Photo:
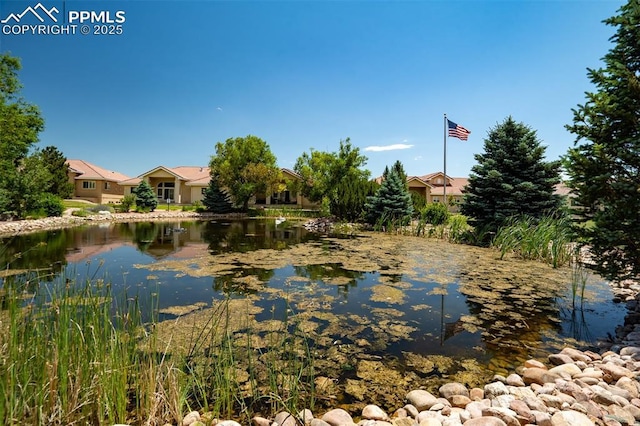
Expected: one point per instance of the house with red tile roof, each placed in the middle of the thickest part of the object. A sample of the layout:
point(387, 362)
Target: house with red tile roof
point(95, 184)
point(187, 184)
point(431, 188)
point(180, 185)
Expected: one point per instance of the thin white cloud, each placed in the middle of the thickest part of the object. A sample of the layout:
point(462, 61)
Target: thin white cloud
point(393, 147)
point(418, 158)
point(219, 108)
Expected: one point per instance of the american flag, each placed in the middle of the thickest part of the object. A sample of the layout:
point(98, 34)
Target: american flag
point(457, 131)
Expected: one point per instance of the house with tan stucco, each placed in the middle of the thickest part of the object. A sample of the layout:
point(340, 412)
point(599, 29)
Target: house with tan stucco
point(187, 184)
point(431, 187)
point(95, 184)
point(179, 185)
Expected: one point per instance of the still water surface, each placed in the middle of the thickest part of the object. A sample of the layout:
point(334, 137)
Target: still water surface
point(399, 299)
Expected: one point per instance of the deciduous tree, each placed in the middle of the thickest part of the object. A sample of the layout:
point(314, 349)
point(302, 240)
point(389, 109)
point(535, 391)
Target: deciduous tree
point(245, 167)
point(335, 178)
point(604, 164)
point(511, 178)
point(20, 124)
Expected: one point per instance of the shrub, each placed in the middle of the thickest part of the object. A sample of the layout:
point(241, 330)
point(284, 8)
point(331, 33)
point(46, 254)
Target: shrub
point(459, 229)
point(418, 201)
point(435, 213)
point(50, 205)
point(79, 213)
point(127, 202)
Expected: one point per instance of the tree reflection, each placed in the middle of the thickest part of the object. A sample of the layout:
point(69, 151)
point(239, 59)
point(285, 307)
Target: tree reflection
point(329, 272)
point(244, 282)
point(249, 235)
point(144, 234)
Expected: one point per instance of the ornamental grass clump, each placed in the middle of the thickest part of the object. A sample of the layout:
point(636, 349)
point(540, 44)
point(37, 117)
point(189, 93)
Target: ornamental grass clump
point(547, 239)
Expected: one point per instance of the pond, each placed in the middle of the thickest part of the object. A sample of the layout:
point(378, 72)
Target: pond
point(385, 313)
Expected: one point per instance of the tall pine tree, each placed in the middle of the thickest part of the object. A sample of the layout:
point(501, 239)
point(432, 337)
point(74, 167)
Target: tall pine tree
point(145, 198)
point(392, 202)
point(56, 163)
point(604, 165)
point(511, 178)
point(215, 200)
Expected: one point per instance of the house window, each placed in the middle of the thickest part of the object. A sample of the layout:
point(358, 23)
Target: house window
point(89, 184)
point(166, 190)
point(439, 181)
point(107, 185)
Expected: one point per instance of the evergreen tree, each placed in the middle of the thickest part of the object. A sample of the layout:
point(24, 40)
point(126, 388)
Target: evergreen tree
point(145, 198)
point(215, 200)
point(351, 197)
point(399, 169)
point(392, 202)
point(57, 165)
point(604, 165)
point(511, 178)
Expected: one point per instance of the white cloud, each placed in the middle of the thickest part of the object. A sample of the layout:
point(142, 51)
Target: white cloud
point(393, 147)
point(418, 158)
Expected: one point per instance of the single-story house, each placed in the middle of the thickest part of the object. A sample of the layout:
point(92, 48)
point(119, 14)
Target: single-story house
point(431, 188)
point(180, 185)
point(95, 184)
point(187, 184)
point(287, 197)
point(455, 189)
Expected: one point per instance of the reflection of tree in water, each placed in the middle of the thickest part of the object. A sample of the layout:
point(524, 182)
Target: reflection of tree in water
point(144, 234)
point(249, 235)
point(235, 283)
point(333, 273)
point(514, 314)
point(34, 252)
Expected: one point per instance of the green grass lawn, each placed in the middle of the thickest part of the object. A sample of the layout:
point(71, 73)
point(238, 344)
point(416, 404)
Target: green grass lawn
point(77, 204)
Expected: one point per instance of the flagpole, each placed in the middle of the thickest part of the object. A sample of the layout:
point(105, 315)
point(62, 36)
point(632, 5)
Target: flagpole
point(444, 199)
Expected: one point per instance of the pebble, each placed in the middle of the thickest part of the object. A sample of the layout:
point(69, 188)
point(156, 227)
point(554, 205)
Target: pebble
point(562, 399)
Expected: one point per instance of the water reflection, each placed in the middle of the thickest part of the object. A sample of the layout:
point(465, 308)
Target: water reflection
point(406, 304)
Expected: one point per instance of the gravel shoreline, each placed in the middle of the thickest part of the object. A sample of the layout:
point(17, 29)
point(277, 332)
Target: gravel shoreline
point(21, 227)
point(572, 388)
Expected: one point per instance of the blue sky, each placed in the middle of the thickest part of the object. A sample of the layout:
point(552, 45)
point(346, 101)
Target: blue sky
point(184, 75)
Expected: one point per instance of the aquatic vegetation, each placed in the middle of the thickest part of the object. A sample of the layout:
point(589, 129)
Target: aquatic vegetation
point(322, 322)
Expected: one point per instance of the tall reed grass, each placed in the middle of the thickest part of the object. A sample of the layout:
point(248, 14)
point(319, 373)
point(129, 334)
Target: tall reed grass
point(77, 354)
point(66, 355)
point(232, 374)
point(547, 239)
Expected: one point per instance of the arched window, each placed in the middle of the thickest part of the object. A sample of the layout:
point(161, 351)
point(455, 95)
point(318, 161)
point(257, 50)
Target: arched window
point(166, 191)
